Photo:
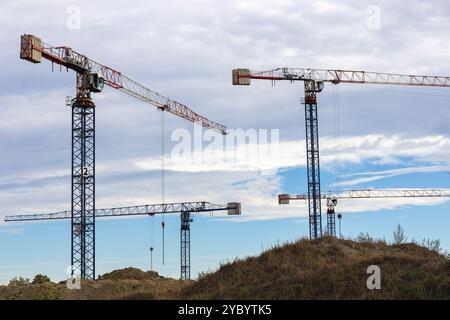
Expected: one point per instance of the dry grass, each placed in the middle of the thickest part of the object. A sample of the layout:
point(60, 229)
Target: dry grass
point(129, 283)
point(326, 268)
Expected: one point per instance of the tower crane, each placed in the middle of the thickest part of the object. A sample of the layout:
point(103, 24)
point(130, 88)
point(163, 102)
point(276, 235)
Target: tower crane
point(314, 80)
point(91, 77)
point(333, 197)
point(185, 209)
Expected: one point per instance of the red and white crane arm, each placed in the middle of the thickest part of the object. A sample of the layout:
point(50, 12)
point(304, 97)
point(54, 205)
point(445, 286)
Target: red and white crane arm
point(33, 49)
point(243, 76)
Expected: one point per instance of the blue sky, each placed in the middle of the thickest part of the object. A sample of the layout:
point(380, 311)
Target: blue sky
point(388, 137)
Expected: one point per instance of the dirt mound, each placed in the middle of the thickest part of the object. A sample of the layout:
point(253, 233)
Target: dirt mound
point(130, 274)
point(129, 283)
point(329, 268)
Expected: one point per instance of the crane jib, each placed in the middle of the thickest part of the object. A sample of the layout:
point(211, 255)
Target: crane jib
point(33, 50)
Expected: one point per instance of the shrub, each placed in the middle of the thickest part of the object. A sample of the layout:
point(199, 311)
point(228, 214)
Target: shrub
point(48, 293)
point(433, 245)
point(364, 237)
point(399, 235)
point(18, 282)
point(40, 279)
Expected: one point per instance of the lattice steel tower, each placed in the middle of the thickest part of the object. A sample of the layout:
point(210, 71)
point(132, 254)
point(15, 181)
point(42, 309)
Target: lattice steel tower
point(312, 157)
point(314, 83)
point(83, 180)
point(91, 77)
point(184, 208)
point(185, 245)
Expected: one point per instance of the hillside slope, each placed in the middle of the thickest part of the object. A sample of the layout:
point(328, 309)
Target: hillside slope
point(128, 283)
point(329, 268)
point(326, 268)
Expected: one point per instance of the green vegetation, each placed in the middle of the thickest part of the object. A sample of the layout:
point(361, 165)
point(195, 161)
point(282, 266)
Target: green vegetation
point(18, 282)
point(40, 279)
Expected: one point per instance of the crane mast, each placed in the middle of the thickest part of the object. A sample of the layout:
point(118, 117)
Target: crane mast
point(314, 80)
point(333, 197)
point(185, 209)
point(91, 77)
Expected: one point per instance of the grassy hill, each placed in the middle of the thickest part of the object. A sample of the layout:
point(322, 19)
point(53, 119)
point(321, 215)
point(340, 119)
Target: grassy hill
point(329, 268)
point(326, 268)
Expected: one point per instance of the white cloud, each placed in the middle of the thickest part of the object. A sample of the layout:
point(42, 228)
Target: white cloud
point(137, 181)
point(357, 181)
point(350, 150)
point(378, 175)
point(12, 231)
point(186, 50)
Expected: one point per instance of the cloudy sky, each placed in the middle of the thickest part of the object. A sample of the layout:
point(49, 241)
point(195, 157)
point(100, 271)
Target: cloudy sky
point(371, 136)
